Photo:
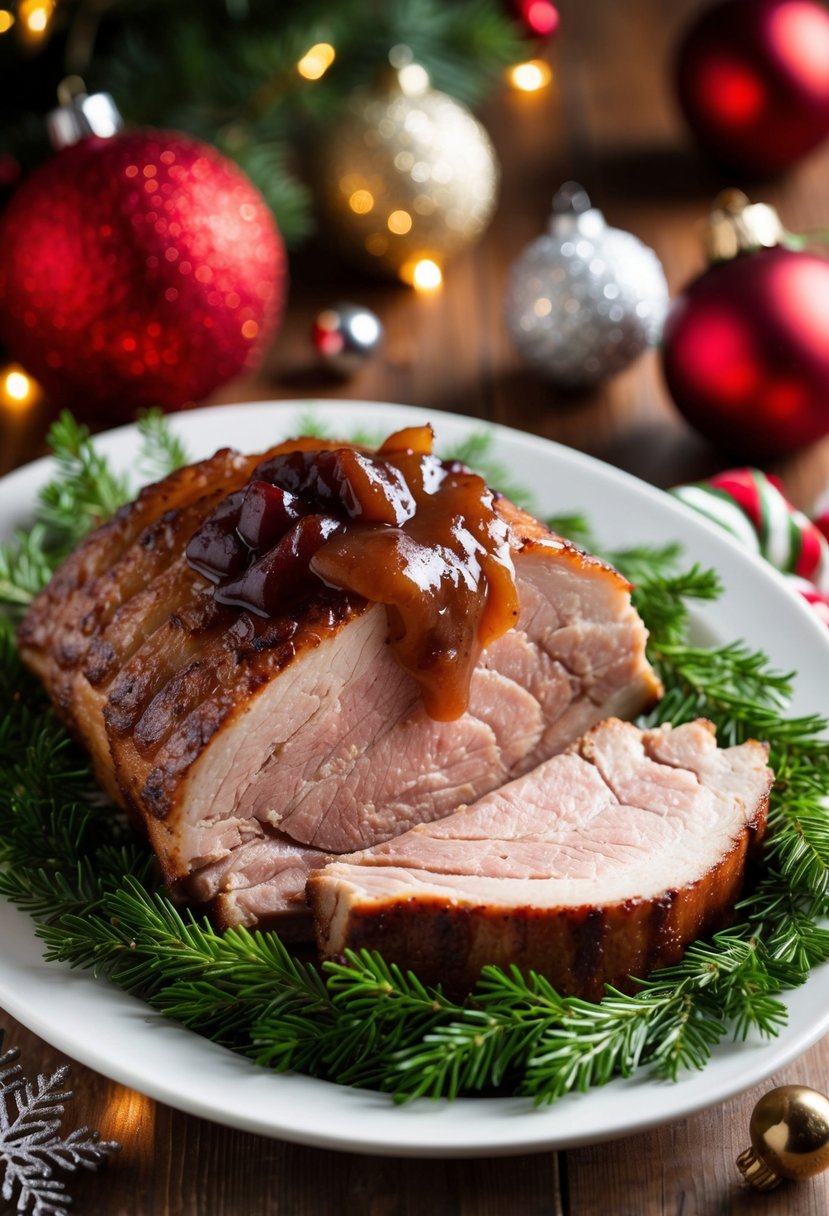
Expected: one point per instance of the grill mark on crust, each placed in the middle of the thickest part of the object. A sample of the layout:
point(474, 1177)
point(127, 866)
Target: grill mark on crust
point(155, 549)
point(179, 638)
point(162, 594)
point(71, 594)
point(98, 571)
point(252, 661)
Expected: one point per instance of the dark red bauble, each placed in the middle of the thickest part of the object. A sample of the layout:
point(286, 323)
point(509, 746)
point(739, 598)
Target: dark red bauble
point(753, 80)
point(746, 352)
point(143, 269)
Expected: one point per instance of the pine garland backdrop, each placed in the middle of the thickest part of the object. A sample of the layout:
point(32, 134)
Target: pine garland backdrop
point(226, 72)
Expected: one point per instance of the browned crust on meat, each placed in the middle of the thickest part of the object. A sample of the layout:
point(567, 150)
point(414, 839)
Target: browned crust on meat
point(215, 686)
point(578, 949)
point(124, 613)
point(145, 667)
point(530, 535)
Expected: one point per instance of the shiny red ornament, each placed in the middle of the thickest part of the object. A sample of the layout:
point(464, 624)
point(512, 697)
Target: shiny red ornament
point(746, 352)
point(753, 81)
point(138, 270)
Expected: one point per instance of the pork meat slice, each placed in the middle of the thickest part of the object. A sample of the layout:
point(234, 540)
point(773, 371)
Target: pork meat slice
point(262, 881)
point(211, 723)
point(602, 863)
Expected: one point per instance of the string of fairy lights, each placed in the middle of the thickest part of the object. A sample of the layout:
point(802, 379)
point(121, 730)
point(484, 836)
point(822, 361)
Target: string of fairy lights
point(31, 21)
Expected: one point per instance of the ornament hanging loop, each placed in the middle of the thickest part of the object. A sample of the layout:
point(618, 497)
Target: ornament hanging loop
point(81, 114)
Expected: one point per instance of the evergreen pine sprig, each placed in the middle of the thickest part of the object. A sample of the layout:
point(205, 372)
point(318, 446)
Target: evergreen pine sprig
point(24, 568)
point(161, 450)
point(95, 891)
point(83, 492)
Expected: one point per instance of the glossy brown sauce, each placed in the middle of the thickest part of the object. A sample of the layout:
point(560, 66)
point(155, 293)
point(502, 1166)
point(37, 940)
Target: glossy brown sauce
point(398, 527)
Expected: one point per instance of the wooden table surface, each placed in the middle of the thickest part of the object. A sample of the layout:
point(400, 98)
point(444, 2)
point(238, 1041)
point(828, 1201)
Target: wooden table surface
point(608, 120)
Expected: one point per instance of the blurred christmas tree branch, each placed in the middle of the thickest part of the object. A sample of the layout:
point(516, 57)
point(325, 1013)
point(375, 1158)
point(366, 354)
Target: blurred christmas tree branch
point(227, 71)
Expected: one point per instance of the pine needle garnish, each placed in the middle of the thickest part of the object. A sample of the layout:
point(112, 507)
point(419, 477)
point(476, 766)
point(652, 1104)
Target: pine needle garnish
point(161, 449)
point(83, 493)
point(96, 895)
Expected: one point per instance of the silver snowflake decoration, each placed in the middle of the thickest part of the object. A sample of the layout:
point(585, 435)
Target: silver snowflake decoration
point(32, 1146)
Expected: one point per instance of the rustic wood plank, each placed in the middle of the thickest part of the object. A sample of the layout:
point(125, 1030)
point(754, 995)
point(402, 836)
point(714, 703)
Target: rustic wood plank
point(173, 1164)
point(687, 1168)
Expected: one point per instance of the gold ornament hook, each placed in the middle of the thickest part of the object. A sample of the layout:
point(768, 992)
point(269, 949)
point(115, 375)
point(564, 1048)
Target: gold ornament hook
point(789, 1131)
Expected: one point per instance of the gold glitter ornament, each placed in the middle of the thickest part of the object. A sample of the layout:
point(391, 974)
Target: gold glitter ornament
point(406, 175)
point(789, 1137)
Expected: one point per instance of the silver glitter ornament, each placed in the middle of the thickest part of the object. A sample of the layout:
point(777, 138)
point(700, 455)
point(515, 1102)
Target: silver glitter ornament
point(345, 336)
point(584, 300)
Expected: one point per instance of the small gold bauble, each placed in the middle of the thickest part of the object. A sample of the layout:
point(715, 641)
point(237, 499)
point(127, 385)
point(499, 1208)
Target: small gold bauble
point(789, 1137)
point(405, 175)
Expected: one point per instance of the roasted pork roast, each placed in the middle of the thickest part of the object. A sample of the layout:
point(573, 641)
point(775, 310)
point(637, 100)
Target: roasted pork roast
point(600, 864)
point(256, 734)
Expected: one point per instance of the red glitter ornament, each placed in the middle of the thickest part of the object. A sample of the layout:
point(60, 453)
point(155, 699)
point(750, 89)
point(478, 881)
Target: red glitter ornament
point(137, 270)
point(746, 346)
point(753, 80)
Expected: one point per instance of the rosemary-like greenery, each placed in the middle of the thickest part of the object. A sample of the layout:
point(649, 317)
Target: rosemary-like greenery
point(95, 892)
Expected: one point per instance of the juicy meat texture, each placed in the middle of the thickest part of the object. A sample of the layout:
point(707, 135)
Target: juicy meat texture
point(228, 734)
point(602, 863)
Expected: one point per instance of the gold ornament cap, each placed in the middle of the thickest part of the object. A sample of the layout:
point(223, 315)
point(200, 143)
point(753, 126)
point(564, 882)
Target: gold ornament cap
point(789, 1131)
point(737, 225)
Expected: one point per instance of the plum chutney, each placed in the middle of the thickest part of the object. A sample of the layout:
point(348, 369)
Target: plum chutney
point(397, 526)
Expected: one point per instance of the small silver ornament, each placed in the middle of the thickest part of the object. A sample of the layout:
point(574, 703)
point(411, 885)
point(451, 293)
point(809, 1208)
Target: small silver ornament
point(345, 335)
point(584, 300)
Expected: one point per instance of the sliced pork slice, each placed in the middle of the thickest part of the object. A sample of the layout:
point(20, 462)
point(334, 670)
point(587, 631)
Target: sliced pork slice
point(600, 864)
point(262, 879)
point(214, 724)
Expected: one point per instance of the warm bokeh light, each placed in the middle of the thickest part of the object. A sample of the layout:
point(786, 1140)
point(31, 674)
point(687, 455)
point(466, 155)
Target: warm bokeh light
point(316, 61)
point(17, 390)
point(6, 20)
point(413, 79)
point(531, 76)
point(376, 244)
point(17, 386)
point(424, 274)
point(399, 222)
point(361, 202)
point(35, 15)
